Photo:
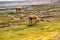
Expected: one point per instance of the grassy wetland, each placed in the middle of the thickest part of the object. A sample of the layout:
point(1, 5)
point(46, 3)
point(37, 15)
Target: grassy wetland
point(12, 29)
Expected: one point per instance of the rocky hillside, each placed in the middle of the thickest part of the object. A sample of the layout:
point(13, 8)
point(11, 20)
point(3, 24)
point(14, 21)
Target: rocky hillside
point(57, 3)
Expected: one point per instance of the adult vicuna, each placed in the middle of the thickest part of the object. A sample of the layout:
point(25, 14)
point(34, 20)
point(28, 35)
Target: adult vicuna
point(33, 19)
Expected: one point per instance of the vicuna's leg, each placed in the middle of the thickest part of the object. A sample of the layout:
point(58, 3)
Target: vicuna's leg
point(36, 21)
point(30, 21)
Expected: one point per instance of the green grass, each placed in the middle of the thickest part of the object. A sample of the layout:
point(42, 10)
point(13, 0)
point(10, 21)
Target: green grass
point(42, 31)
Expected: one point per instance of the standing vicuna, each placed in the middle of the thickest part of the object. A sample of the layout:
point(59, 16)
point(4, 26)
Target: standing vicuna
point(33, 19)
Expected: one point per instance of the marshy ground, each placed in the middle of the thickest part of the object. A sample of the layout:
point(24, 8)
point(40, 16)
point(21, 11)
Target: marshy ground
point(41, 31)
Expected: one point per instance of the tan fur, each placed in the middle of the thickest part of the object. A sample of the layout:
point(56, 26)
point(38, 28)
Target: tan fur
point(33, 18)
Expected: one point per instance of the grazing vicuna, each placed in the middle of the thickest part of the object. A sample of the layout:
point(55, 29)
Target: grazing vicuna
point(33, 19)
